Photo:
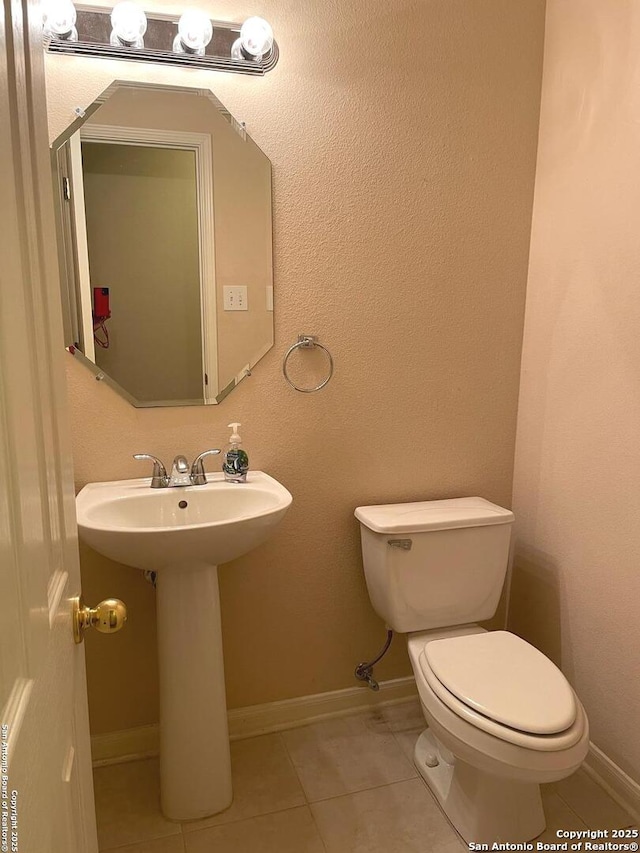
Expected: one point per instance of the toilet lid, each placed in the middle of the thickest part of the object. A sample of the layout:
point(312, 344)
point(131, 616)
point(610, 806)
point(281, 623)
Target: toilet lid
point(504, 678)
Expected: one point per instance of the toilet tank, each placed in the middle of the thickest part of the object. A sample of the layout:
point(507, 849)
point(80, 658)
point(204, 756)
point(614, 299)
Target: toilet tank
point(435, 564)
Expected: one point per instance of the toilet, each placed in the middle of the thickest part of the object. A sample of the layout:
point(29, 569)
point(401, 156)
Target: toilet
point(501, 717)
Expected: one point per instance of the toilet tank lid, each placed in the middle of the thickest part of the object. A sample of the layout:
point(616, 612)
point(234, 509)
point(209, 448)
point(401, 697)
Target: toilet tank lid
point(432, 515)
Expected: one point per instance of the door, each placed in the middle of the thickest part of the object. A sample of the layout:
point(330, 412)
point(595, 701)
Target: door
point(46, 794)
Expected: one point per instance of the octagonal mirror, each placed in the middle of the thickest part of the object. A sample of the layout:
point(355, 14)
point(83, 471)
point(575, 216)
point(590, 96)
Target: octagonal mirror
point(165, 244)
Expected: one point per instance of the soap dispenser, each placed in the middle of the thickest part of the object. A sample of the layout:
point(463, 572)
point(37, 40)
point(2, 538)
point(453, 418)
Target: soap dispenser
point(236, 461)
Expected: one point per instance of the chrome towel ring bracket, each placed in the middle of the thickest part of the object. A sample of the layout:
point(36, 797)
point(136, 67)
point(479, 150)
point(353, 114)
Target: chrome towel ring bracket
point(306, 342)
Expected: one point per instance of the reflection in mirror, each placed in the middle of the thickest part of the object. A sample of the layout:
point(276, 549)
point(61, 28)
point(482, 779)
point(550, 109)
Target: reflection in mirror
point(164, 227)
point(150, 294)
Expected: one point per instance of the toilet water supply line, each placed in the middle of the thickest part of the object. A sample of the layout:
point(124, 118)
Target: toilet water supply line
point(364, 671)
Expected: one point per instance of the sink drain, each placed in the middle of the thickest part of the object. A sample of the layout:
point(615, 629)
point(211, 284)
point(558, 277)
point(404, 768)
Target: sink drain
point(183, 504)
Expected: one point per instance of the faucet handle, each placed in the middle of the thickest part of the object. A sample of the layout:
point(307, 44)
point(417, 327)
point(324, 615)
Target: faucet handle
point(198, 477)
point(159, 479)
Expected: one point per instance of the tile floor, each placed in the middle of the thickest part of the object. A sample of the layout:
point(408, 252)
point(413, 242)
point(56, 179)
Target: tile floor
point(340, 786)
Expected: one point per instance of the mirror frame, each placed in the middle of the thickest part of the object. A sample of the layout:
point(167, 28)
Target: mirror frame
point(82, 117)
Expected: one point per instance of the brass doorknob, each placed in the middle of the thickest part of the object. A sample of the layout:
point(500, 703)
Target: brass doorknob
point(108, 617)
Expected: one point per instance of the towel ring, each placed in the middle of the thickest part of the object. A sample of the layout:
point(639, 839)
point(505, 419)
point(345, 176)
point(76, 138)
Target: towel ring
point(306, 342)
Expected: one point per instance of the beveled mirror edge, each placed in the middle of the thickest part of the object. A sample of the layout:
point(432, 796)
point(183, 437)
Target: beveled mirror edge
point(101, 376)
point(85, 113)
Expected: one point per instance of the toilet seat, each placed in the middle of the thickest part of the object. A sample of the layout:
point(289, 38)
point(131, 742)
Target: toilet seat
point(505, 679)
point(540, 742)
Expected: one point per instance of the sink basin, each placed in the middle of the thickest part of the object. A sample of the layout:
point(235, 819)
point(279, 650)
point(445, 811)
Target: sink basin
point(182, 534)
point(147, 528)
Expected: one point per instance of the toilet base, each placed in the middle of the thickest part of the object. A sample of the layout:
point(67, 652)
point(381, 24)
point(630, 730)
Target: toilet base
point(482, 807)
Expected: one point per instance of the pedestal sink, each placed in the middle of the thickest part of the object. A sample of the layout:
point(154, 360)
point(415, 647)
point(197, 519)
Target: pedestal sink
point(183, 534)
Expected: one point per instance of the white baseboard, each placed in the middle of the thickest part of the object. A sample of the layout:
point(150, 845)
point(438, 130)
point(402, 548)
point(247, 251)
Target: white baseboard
point(622, 788)
point(125, 745)
point(142, 742)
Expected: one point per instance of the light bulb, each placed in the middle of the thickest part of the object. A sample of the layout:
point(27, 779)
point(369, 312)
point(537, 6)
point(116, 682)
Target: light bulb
point(256, 37)
point(194, 33)
point(59, 19)
point(129, 24)
point(236, 50)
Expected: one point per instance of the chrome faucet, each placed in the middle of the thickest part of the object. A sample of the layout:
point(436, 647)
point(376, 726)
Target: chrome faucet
point(181, 474)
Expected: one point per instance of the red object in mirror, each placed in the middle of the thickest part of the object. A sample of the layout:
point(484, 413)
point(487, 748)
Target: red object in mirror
point(101, 310)
point(101, 313)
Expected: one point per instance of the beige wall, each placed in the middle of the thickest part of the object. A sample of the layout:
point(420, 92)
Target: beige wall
point(403, 176)
point(576, 587)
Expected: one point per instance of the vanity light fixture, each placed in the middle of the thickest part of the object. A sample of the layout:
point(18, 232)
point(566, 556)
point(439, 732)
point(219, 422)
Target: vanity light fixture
point(128, 33)
point(60, 20)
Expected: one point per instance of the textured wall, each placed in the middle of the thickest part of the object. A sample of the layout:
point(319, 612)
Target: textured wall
point(403, 176)
point(577, 495)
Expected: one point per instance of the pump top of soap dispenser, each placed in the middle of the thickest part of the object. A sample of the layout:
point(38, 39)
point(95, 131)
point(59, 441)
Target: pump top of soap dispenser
point(236, 461)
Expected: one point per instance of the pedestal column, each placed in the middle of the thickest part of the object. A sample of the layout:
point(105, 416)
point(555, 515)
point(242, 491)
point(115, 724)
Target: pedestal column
point(195, 764)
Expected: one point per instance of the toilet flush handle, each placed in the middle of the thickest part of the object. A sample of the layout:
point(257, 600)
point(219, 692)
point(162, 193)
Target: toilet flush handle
point(405, 544)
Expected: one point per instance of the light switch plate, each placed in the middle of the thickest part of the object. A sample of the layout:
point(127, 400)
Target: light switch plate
point(235, 298)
